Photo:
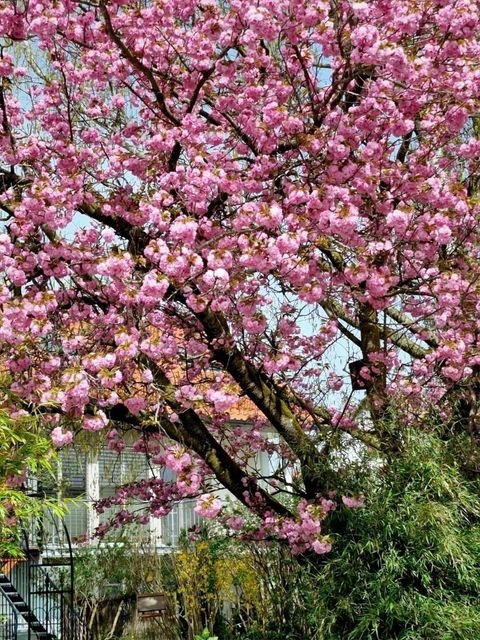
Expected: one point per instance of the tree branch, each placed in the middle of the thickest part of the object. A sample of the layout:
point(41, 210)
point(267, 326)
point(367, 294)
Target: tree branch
point(135, 62)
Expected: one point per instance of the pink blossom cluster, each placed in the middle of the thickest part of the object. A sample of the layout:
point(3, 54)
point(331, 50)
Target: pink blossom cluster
point(304, 532)
point(16, 480)
point(208, 506)
point(61, 438)
point(158, 495)
point(353, 502)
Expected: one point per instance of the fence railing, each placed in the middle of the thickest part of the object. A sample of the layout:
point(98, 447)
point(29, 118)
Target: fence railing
point(37, 592)
point(8, 620)
point(36, 605)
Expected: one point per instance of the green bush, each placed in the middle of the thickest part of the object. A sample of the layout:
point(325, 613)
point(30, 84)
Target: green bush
point(25, 451)
point(407, 566)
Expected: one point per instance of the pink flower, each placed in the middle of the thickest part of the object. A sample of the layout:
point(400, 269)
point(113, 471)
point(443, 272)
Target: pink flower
point(334, 382)
point(61, 438)
point(114, 442)
point(135, 405)
point(184, 229)
point(208, 506)
point(154, 286)
point(178, 460)
point(17, 480)
point(189, 482)
point(96, 422)
point(221, 401)
point(365, 39)
point(399, 221)
point(321, 546)
point(443, 234)
point(235, 522)
point(353, 502)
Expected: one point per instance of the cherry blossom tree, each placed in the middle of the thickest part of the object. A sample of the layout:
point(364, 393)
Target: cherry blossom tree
point(264, 210)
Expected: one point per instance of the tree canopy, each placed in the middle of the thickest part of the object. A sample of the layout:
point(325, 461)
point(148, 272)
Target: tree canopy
point(232, 227)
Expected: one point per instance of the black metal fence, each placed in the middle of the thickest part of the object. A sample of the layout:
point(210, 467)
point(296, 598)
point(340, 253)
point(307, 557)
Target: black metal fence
point(8, 620)
point(36, 593)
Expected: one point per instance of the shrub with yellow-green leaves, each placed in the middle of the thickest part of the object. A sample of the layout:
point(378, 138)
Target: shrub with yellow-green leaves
point(24, 451)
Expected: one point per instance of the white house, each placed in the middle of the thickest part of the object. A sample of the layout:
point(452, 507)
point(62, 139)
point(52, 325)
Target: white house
point(87, 478)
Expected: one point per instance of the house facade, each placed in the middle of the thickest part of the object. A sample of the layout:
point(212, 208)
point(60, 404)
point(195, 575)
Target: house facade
point(85, 478)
